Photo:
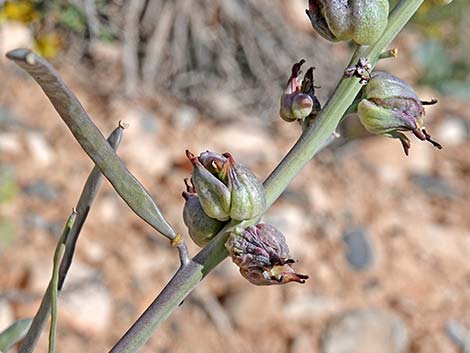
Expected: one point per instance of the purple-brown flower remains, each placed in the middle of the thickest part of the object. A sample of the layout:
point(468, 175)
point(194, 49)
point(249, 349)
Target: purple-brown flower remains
point(262, 254)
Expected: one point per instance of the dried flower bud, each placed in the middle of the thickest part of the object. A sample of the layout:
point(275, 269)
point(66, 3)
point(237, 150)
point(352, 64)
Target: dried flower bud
point(201, 227)
point(391, 106)
point(360, 20)
point(226, 189)
point(262, 255)
point(298, 100)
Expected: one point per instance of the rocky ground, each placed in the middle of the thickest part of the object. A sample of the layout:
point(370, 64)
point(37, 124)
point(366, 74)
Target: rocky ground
point(385, 238)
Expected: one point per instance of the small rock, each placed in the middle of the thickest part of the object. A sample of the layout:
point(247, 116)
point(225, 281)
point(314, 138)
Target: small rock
point(302, 344)
point(310, 308)
point(434, 186)
point(10, 143)
point(33, 220)
point(85, 301)
point(358, 249)
point(246, 146)
point(246, 307)
point(8, 121)
point(148, 122)
point(42, 190)
point(40, 149)
point(223, 106)
point(7, 316)
point(88, 307)
point(452, 132)
point(108, 207)
point(386, 156)
point(366, 331)
point(459, 335)
point(185, 117)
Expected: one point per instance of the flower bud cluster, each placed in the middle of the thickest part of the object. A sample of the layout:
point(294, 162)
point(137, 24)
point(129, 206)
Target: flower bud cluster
point(221, 189)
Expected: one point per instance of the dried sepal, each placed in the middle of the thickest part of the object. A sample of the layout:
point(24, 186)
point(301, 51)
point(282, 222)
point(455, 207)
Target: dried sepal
point(262, 255)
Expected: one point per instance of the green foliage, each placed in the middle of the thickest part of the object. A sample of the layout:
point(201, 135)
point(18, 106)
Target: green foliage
point(441, 72)
point(8, 187)
point(7, 233)
point(445, 58)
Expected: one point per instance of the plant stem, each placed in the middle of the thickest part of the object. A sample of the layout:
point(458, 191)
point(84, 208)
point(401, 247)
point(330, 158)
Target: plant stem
point(83, 207)
point(309, 143)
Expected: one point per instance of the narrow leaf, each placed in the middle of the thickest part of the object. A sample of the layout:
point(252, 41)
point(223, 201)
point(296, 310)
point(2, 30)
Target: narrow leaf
point(13, 334)
point(91, 139)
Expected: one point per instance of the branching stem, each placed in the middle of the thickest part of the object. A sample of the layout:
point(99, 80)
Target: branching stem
point(309, 143)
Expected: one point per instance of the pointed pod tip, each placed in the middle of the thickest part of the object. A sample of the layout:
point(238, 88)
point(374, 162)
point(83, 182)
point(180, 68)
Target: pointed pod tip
point(123, 125)
point(22, 54)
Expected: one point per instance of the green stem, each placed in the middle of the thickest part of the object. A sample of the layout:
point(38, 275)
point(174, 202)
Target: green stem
point(188, 277)
point(54, 282)
point(83, 207)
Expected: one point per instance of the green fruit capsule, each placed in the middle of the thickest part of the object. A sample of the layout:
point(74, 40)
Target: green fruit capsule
point(363, 21)
point(390, 107)
point(226, 189)
point(200, 226)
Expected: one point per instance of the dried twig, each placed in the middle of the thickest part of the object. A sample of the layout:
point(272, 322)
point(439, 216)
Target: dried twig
point(130, 53)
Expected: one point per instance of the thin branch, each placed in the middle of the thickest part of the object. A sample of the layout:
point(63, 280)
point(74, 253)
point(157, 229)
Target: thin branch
point(87, 197)
point(83, 207)
point(53, 284)
point(154, 51)
point(130, 54)
point(92, 19)
point(188, 277)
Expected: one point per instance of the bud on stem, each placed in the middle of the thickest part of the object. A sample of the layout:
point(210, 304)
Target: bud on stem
point(262, 254)
point(390, 107)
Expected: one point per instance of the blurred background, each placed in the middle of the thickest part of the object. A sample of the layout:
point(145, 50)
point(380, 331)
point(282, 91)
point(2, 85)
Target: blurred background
point(384, 238)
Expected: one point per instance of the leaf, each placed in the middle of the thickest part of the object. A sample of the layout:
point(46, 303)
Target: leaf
point(13, 334)
point(91, 139)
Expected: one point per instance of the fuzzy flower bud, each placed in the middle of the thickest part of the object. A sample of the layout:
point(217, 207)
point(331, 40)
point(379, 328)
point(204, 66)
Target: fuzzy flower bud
point(360, 20)
point(226, 189)
point(391, 106)
point(298, 100)
point(262, 255)
point(201, 227)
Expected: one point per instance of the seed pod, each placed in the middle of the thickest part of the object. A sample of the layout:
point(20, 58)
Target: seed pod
point(262, 254)
point(360, 20)
point(200, 226)
point(298, 100)
point(391, 106)
point(226, 189)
